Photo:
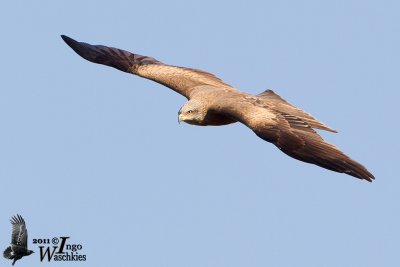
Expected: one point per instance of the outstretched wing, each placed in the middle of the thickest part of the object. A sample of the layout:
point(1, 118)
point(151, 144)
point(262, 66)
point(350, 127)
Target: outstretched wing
point(19, 236)
point(181, 80)
point(293, 136)
point(276, 102)
point(306, 145)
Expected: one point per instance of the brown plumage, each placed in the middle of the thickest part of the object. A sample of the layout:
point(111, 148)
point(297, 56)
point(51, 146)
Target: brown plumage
point(213, 102)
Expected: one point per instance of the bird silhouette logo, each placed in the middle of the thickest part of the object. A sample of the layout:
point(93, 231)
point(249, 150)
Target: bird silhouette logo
point(19, 240)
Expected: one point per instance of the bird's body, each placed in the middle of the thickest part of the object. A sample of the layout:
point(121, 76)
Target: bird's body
point(19, 238)
point(211, 101)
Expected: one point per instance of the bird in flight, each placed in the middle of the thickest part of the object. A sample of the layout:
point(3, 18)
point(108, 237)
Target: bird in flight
point(211, 101)
point(19, 238)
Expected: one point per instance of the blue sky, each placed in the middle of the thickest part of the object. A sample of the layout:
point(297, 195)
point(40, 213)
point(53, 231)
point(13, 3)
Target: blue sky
point(97, 154)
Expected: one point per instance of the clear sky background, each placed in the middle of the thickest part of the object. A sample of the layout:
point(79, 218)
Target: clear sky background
point(96, 154)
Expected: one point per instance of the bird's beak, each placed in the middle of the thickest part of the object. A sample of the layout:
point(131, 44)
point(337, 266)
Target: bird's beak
point(179, 117)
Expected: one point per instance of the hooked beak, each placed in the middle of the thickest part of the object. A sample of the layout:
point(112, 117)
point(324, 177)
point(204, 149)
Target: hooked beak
point(179, 117)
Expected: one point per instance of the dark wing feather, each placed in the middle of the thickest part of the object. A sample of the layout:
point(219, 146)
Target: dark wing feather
point(276, 102)
point(19, 236)
point(181, 80)
point(297, 140)
point(291, 135)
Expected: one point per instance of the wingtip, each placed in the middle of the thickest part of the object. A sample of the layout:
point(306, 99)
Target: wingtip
point(85, 50)
point(370, 179)
point(366, 178)
point(63, 36)
point(17, 219)
point(68, 40)
point(360, 172)
point(367, 175)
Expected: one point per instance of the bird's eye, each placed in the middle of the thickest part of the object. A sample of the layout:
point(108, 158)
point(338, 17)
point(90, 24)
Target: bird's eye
point(190, 111)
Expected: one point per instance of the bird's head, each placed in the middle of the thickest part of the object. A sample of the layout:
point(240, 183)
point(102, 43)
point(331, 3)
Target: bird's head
point(193, 112)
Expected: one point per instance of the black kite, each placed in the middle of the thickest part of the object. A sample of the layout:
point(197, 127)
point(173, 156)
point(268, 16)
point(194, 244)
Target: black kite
point(213, 102)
